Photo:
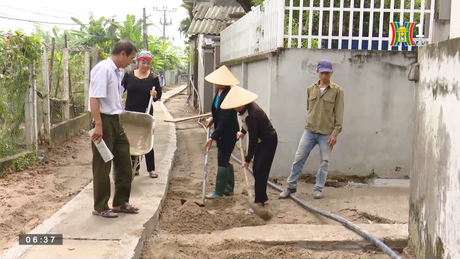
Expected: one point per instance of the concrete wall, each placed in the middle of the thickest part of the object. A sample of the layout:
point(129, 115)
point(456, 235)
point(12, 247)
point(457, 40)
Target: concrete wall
point(379, 104)
point(441, 30)
point(435, 171)
point(7, 162)
point(171, 77)
point(67, 129)
point(257, 75)
point(455, 19)
point(208, 90)
point(237, 70)
point(59, 134)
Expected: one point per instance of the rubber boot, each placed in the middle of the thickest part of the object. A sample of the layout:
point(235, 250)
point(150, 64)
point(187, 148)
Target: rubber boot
point(221, 181)
point(230, 182)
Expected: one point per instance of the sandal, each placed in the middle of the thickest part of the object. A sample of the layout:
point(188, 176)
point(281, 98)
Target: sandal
point(105, 214)
point(153, 174)
point(126, 208)
point(137, 172)
point(250, 211)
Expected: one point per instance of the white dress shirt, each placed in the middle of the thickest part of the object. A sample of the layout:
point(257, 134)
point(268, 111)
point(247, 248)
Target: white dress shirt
point(106, 86)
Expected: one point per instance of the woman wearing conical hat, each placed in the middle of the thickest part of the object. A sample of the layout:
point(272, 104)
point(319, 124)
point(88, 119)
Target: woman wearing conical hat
point(225, 129)
point(263, 138)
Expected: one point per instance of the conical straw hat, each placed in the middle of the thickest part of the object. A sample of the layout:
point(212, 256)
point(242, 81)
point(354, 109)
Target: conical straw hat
point(238, 96)
point(222, 76)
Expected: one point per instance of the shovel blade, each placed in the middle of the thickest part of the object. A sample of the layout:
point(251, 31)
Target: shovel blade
point(199, 203)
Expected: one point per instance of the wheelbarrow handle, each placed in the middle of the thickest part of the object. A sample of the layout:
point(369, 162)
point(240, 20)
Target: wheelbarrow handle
point(150, 102)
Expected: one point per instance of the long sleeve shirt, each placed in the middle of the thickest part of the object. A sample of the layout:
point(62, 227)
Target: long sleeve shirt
point(225, 121)
point(257, 124)
point(325, 109)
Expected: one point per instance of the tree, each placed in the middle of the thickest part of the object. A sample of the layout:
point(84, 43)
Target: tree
point(247, 4)
point(131, 29)
point(185, 23)
point(98, 32)
point(103, 32)
point(18, 51)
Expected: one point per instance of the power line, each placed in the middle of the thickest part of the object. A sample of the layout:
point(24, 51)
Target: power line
point(49, 15)
point(6, 14)
point(25, 20)
point(50, 8)
point(165, 23)
point(154, 24)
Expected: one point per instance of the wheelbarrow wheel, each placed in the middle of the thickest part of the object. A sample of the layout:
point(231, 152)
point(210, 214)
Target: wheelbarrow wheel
point(136, 163)
point(134, 168)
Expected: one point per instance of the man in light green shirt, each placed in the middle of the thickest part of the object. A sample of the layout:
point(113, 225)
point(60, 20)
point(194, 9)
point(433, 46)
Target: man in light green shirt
point(325, 107)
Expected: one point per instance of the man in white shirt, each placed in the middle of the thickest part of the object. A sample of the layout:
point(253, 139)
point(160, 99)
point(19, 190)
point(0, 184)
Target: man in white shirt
point(162, 79)
point(105, 105)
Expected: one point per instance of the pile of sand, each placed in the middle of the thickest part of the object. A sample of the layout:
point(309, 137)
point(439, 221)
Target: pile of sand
point(193, 246)
point(190, 218)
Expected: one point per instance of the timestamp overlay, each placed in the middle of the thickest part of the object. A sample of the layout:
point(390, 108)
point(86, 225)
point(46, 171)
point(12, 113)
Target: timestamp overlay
point(40, 239)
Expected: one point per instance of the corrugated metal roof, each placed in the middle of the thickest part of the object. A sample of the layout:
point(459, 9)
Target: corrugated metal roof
point(211, 20)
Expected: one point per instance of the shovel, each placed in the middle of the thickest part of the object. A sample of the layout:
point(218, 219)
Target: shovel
point(205, 169)
point(203, 193)
point(258, 209)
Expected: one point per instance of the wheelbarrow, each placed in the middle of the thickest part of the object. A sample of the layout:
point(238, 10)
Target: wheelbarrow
point(139, 128)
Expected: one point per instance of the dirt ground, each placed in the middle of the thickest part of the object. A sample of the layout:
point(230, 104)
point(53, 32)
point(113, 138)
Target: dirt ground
point(30, 197)
point(185, 231)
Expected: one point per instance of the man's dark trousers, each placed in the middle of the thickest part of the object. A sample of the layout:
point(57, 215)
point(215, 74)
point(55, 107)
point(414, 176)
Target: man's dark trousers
point(116, 140)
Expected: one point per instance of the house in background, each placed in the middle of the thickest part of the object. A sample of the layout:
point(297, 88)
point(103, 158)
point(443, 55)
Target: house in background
point(208, 19)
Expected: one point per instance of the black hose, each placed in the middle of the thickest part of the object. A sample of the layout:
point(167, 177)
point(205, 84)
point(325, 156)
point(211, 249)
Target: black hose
point(326, 214)
point(341, 220)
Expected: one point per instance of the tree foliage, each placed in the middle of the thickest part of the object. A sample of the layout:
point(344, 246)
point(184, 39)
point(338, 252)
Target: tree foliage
point(18, 51)
point(105, 32)
point(185, 23)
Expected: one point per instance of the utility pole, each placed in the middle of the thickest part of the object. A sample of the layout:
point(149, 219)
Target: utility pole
point(146, 46)
point(165, 12)
point(112, 32)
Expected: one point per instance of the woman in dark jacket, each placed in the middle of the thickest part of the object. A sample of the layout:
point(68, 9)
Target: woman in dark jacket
point(263, 139)
point(138, 84)
point(225, 129)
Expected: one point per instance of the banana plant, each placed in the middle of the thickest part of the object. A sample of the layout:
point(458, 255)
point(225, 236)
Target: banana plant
point(99, 32)
point(131, 29)
point(102, 33)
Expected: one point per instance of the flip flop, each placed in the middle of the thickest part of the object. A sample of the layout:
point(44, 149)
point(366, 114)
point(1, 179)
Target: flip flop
point(250, 211)
point(105, 214)
point(126, 208)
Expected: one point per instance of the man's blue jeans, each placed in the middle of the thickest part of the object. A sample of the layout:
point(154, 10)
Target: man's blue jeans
point(308, 141)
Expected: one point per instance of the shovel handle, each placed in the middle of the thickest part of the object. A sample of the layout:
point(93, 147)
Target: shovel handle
point(244, 169)
point(207, 151)
point(205, 170)
point(208, 132)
